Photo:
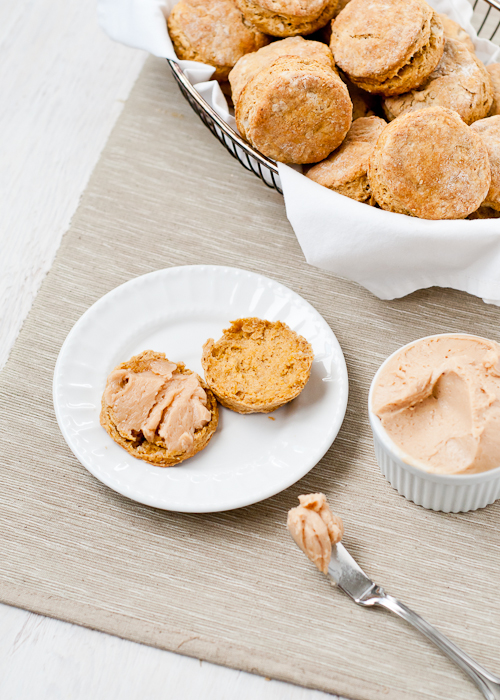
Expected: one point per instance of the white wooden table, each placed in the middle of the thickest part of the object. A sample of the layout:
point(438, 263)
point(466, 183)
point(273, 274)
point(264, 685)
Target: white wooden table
point(63, 85)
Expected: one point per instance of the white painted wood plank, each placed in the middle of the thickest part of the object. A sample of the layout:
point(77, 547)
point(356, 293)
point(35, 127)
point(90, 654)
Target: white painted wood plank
point(63, 84)
point(47, 659)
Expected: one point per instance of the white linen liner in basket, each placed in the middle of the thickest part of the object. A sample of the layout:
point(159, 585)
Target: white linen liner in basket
point(390, 254)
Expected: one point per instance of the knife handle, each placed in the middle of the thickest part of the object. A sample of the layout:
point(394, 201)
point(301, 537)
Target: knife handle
point(487, 682)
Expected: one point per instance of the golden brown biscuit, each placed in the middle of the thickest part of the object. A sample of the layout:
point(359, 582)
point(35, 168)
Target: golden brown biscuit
point(345, 170)
point(257, 366)
point(213, 32)
point(153, 450)
point(431, 165)
point(494, 72)
point(489, 131)
point(294, 111)
point(288, 17)
point(452, 30)
point(387, 46)
point(459, 82)
point(249, 65)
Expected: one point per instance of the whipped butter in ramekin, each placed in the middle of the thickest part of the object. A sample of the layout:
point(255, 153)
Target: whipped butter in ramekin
point(434, 409)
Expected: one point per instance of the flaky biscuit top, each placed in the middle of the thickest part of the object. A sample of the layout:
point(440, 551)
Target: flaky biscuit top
point(459, 82)
point(159, 402)
point(295, 8)
point(315, 529)
point(430, 164)
point(377, 37)
point(249, 65)
point(294, 110)
point(214, 32)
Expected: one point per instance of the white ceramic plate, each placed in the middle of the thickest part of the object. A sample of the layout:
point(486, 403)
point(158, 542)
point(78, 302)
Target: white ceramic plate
point(175, 311)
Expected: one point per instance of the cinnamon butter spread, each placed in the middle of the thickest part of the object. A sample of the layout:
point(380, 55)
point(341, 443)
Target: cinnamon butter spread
point(167, 407)
point(314, 528)
point(439, 401)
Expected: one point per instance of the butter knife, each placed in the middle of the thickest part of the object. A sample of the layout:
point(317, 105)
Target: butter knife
point(352, 580)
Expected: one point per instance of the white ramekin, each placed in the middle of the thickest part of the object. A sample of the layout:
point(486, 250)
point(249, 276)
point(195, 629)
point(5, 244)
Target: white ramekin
point(448, 493)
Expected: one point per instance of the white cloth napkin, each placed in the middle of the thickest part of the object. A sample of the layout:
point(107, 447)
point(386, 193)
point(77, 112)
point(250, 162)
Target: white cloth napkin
point(390, 254)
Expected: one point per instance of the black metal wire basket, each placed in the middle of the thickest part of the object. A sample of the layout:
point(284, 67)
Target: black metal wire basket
point(486, 21)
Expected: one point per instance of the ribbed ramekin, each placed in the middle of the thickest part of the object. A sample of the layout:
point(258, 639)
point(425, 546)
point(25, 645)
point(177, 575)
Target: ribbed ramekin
point(456, 493)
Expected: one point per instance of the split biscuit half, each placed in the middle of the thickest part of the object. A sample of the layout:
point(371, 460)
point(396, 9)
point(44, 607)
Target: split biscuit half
point(133, 405)
point(257, 366)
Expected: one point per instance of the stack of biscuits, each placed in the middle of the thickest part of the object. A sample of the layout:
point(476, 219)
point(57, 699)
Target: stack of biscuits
point(384, 101)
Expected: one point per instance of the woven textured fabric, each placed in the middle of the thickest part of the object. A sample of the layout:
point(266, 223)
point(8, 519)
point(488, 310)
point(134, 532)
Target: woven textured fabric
point(232, 587)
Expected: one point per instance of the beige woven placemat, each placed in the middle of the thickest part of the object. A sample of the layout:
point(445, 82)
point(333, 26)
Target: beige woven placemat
point(232, 587)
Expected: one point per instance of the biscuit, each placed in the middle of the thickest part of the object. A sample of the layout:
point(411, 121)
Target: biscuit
point(345, 170)
point(257, 366)
point(494, 72)
point(489, 131)
point(294, 111)
point(213, 32)
point(387, 46)
point(249, 65)
point(431, 165)
point(452, 30)
point(155, 452)
point(459, 82)
point(284, 18)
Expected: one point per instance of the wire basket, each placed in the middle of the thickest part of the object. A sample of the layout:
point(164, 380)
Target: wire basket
point(486, 21)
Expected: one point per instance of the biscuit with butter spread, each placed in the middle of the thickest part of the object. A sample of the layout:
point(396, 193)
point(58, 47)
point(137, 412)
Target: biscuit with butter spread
point(158, 410)
point(257, 366)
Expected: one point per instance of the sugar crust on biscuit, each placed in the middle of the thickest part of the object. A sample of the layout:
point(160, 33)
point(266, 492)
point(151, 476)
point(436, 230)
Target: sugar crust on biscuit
point(445, 175)
point(213, 32)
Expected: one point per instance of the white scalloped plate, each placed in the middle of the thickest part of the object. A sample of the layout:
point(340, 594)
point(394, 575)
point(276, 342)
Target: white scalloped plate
point(175, 311)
